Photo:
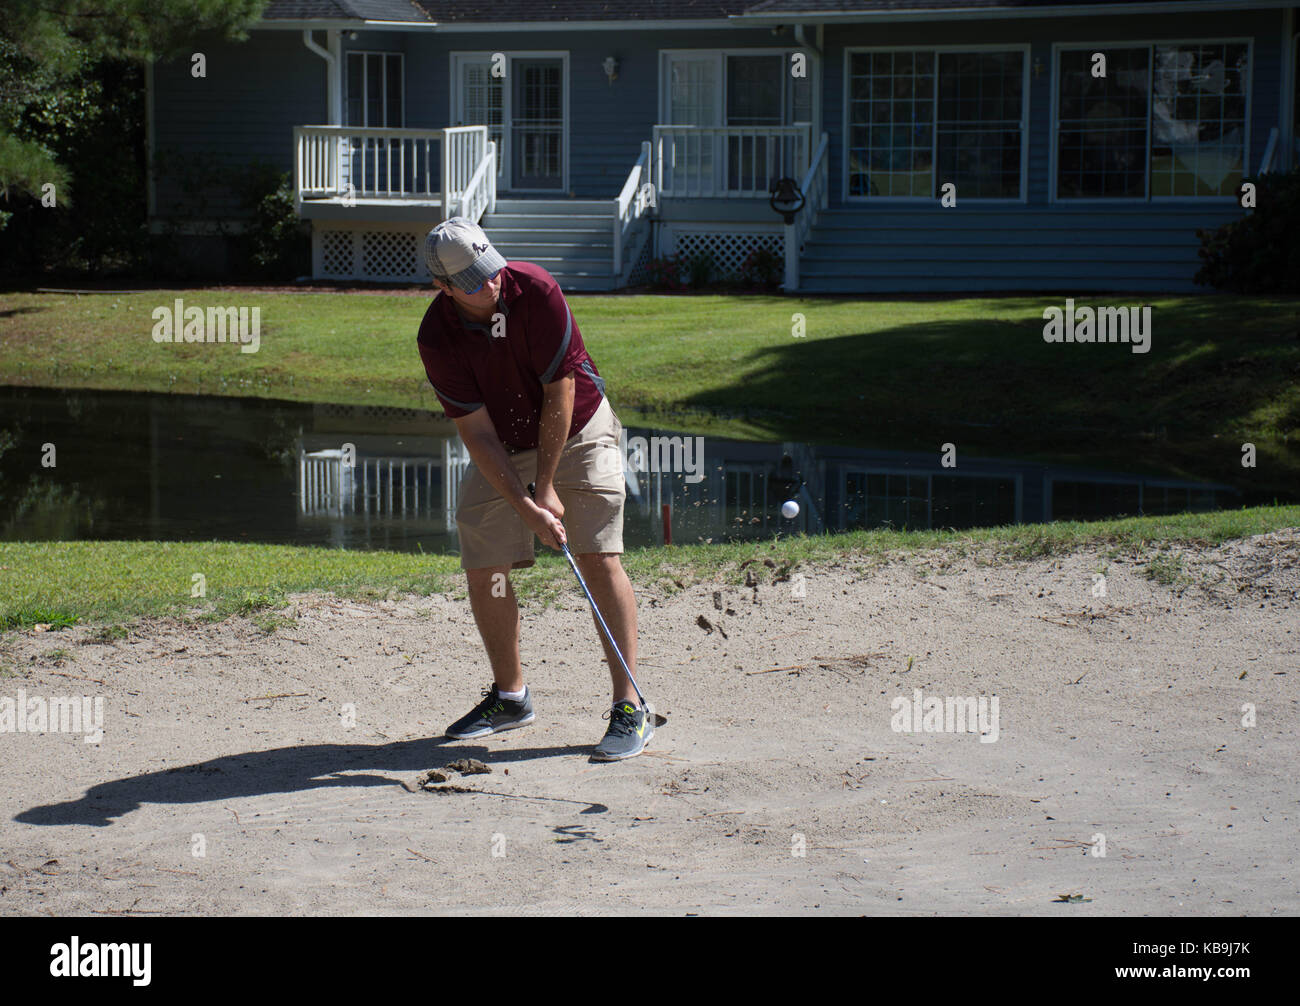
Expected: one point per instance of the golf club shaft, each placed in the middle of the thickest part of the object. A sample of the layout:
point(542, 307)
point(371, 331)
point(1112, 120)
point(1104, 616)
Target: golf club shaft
point(601, 619)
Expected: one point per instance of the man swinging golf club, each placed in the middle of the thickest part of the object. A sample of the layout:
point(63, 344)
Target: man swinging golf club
point(509, 367)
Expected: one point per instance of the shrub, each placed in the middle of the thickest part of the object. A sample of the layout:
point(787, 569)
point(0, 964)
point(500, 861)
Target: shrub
point(699, 269)
point(1259, 253)
point(762, 269)
point(276, 244)
point(665, 273)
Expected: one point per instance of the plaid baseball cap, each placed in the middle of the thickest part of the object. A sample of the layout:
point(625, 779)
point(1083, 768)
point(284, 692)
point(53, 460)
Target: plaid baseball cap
point(459, 252)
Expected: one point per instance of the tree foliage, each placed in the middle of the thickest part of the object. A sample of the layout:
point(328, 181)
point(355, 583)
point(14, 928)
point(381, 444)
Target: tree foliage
point(1259, 253)
point(57, 58)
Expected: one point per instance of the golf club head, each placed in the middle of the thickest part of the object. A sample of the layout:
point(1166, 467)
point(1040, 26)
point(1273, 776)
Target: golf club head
point(657, 719)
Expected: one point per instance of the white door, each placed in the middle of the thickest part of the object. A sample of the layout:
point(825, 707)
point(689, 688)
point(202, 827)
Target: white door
point(480, 100)
point(692, 163)
point(523, 105)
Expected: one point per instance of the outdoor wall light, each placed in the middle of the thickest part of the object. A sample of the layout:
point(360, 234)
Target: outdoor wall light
point(787, 199)
point(611, 68)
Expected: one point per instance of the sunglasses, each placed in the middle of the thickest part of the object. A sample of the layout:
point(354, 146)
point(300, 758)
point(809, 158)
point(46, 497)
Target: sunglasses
point(484, 283)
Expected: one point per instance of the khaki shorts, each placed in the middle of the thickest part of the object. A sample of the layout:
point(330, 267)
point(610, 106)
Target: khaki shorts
point(589, 481)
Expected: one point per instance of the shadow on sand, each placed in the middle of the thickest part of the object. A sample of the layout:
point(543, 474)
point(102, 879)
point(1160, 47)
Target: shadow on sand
point(285, 770)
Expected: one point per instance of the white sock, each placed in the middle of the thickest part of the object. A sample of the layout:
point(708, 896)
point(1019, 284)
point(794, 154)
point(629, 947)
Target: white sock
point(513, 696)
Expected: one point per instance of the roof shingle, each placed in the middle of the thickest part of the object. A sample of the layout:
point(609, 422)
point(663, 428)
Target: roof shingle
point(342, 10)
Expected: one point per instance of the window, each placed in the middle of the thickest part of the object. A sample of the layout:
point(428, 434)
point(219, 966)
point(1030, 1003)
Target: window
point(918, 119)
point(874, 500)
point(374, 89)
point(978, 124)
point(482, 101)
point(713, 88)
point(1167, 120)
point(744, 104)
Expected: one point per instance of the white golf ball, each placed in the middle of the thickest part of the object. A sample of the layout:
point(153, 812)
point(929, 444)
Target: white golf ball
point(790, 509)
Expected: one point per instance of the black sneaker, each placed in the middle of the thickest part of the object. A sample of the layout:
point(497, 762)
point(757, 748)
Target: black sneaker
point(629, 731)
point(493, 715)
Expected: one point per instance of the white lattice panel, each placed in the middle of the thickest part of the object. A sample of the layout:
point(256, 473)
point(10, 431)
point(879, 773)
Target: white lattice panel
point(370, 252)
point(336, 253)
point(728, 248)
point(389, 255)
point(370, 412)
point(638, 275)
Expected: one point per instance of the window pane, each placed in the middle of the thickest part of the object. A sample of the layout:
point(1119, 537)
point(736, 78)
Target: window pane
point(394, 115)
point(893, 96)
point(355, 113)
point(1102, 136)
point(754, 90)
point(1198, 125)
point(374, 89)
point(694, 87)
point(980, 102)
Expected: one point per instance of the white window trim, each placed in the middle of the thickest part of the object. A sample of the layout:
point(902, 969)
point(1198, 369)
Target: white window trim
point(507, 100)
point(347, 56)
point(814, 79)
point(1022, 47)
point(1059, 47)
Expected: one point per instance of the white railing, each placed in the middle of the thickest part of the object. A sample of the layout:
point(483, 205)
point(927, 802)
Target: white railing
point(464, 149)
point(630, 224)
point(480, 195)
point(815, 186)
point(727, 161)
point(1266, 163)
point(433, 165)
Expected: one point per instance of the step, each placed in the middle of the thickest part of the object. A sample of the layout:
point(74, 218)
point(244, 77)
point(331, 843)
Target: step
point(980, 270)
point(559, 236)
point(929, 284)
point(585, 284)
point(1039, 218)
point(568, 265)
point(833, 258)
point(840, 238)
point(556, 207)
point(551, 253)
point(526, 221)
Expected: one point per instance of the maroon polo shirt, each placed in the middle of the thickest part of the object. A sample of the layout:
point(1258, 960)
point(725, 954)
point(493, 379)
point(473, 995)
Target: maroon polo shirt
point(470, 368)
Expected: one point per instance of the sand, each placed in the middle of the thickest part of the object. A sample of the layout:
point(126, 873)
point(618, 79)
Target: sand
point(292, 762)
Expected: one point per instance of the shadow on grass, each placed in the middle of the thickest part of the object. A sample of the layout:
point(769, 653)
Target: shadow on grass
point(1210, 370)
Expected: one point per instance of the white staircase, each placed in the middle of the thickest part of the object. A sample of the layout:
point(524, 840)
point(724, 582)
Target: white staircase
point(572, 239)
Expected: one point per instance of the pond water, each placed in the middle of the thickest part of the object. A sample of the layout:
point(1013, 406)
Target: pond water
point(176, 467)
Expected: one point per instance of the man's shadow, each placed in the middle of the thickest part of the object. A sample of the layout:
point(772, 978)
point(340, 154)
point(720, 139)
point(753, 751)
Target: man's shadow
point(280, 770)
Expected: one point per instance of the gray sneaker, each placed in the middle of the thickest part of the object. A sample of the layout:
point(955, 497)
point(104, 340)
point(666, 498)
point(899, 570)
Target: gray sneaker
point(493, 715)
point(629, 731)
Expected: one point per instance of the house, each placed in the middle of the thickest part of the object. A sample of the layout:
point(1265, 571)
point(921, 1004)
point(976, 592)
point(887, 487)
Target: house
point(928, 145)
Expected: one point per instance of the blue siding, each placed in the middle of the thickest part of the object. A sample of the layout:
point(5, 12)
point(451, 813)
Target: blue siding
point(244, 110)
point(257, 91)
point(880, 246)
point(607, 122)
point(1263, 26)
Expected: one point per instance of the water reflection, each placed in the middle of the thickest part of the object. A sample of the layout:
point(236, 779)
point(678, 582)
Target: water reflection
point(199, 468)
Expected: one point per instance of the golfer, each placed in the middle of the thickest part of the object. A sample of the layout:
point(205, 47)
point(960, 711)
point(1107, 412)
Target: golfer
point(507, 362)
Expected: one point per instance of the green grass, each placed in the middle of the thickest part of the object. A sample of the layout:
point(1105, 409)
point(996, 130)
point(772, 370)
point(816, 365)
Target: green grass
point(1167, 569)
point(901, 372)
point(59, 582)
point(113, 582)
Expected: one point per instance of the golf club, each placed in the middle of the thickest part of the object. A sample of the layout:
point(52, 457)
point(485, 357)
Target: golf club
point(657, 718)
